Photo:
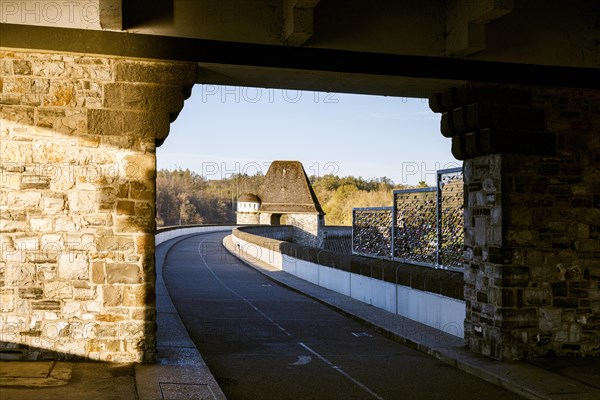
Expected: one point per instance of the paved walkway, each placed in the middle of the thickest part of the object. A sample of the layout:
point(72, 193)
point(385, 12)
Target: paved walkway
point(560, 379)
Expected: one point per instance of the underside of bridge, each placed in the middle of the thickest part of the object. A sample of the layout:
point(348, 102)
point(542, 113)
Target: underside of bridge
point(88, 89)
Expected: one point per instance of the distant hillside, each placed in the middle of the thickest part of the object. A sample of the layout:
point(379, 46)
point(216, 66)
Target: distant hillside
point(185, 197)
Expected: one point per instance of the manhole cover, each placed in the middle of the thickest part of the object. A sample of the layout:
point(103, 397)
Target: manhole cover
point(181, 391)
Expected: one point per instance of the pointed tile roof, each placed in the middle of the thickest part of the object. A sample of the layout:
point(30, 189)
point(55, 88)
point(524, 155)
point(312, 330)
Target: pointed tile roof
point(286, 189)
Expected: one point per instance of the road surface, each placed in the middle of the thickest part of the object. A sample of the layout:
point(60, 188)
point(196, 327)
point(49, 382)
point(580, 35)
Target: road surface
point(263, 341)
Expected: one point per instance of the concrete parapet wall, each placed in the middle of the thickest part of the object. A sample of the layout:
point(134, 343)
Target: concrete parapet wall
point(168, 233)
point(429, 296)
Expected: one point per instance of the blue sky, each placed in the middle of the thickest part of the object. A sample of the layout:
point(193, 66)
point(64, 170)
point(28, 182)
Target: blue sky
point(225, 129)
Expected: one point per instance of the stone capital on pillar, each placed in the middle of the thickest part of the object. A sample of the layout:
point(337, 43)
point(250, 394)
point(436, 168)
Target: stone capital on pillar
point(77, 201)
point(493, 119)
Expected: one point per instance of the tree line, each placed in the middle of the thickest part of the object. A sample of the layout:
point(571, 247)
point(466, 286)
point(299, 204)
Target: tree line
point(184, 197)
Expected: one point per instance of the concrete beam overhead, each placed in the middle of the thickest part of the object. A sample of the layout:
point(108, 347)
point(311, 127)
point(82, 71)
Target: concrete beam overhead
point(297, 22)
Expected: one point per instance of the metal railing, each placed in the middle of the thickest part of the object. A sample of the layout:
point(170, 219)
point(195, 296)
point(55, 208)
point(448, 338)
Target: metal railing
point(450, 219)
point(415, 230)
point(372, 231)
point(424, 226)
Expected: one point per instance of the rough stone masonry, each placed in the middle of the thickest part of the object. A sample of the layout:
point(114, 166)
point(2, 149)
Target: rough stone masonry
point(532, 217)
point(77, 197)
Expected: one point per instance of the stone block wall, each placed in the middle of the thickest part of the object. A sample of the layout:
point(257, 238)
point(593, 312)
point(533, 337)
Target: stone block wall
point(532, 216)
point(77, 191)
point(246, 218)
point(552, 232)
point(306, 228)
point(264, 219)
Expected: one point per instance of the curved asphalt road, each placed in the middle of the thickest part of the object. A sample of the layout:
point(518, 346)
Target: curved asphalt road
point(262, 341)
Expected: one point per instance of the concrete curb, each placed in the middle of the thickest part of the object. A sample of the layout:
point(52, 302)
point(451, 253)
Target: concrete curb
point(519, 377)
point(180, 371)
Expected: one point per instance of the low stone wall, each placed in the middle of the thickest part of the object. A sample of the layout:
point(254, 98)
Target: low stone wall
point(336, 238)
point(263, 234)
point(433, 297)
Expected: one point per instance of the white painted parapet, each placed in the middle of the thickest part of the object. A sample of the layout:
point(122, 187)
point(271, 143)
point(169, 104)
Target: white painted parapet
point(441, 312)
point(171, 233)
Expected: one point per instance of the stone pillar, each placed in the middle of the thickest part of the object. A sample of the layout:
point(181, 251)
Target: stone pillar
point(77, 202)
point(306, 228)
point(532, 217)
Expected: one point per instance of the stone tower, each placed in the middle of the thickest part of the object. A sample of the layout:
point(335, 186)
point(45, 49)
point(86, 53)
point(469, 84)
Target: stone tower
point(288, 199)
point(247, 209)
